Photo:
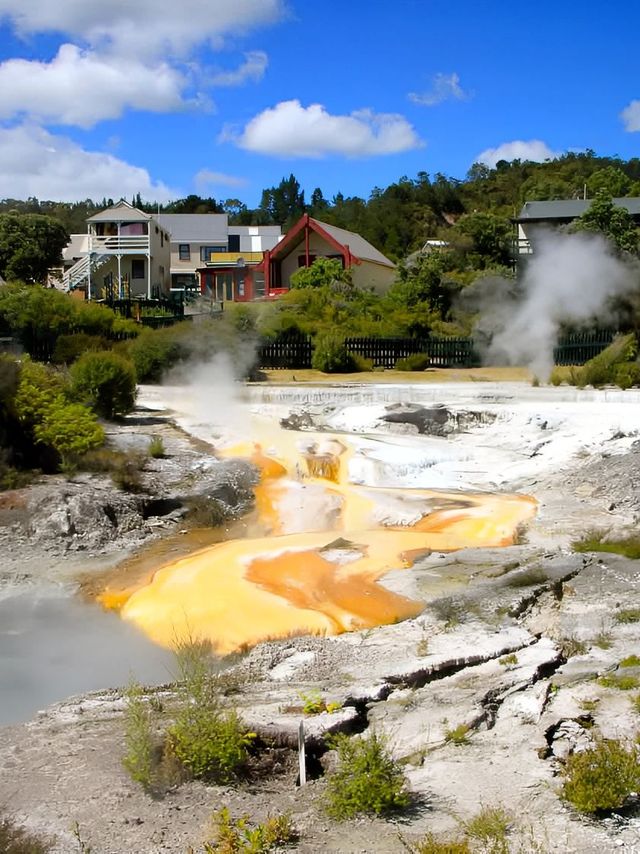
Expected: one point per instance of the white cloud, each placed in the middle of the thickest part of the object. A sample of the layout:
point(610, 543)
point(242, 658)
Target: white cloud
point(34, 162)
point(291, 130)
point(443, 88)
point(206, 178)
point(253, 68)
point(144, 27)
point(534, 150)
point(81, 88)
point(631, 116)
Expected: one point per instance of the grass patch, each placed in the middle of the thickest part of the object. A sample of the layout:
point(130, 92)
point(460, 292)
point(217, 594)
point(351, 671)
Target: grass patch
point(620, 681)
point(508, 660)
point(14, 839)
point(367, 780)
point(630, 661)
point(431, 844)
point(450, 610)
point(139, 756)
point(604, 639)
point(595, 541)
point(635, 703)
point(602, 778)
point(571, 645)
point(489, 828)
point(628, 615)
point(315, 704)
point(237, 836)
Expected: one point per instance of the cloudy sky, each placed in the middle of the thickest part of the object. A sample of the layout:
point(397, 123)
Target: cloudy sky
point(225, 97)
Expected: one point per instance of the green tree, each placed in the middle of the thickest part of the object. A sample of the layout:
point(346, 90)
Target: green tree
point(614, 222)
point(106, 381)
point(283, 204)
point(609, 180)
point(323, 271)
point(29, 245)
point(491, 236)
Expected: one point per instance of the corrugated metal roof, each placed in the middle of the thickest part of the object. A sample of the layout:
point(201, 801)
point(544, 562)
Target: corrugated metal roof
point(358, 246)
point(120, 212)
point(196, 228)
point(568, 209)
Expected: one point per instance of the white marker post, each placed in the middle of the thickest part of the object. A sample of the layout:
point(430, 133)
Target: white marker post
point(302, 759)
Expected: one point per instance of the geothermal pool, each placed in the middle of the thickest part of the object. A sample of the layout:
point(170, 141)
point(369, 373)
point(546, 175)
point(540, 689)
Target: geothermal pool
point(336, 512)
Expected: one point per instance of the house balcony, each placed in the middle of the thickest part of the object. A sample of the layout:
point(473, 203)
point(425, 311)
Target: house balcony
point(119, 244)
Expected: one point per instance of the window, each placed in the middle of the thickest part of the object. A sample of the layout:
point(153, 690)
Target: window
point(184, 252)
point(137, 268)
point(206, 251)
point(234, 243)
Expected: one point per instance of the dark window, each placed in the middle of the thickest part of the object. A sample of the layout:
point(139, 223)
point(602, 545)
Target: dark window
point(234, 243)
point(137, 268)
point(206, 251)
point(302, 260)
point(184, 252)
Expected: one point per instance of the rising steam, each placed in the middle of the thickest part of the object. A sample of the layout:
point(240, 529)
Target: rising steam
point(570, 279)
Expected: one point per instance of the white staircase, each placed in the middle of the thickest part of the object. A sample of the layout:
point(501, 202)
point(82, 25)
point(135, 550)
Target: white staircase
point(82, 270)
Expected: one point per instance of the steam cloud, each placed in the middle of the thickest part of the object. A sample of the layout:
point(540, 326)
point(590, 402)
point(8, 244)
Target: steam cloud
point(571, 278)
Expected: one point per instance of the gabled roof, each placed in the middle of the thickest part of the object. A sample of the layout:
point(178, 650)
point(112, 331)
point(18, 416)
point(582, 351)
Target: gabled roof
point(122, 211)
point(568, 209)
point(358, 247)
point(196, 228)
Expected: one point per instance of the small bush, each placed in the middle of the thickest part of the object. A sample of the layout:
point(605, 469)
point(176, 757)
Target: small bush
point(459, 735)
point(235, 836)
point(627, 375)
point(361, 363)
point(635, 703)
point(620, 681)
point(602, 778)
point(314, 704)
point(156, 448)
point(125, 471)
point(630, 661)
point(450, 610)
point(71, 430)
point(331, 356)
point(413, 362)
point(69, 348)
point(367, 780)
point(155, 351)
point(508, 660)
point(106, 381)
point(138, 758)
point(208, 739)
point(16, 840)
point(571, 645)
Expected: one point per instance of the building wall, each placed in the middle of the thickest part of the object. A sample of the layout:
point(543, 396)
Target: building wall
point(368, 275)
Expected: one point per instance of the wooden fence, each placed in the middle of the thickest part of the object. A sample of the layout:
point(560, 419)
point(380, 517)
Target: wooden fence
point(575, 349)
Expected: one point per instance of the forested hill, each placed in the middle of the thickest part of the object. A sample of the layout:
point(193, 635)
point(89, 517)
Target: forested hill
point(399, 218)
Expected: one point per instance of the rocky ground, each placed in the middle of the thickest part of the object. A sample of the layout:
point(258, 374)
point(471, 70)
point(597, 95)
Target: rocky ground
point(511, 649)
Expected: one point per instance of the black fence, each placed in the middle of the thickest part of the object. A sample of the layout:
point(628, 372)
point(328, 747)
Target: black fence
point(575, 349)
point(578, 348)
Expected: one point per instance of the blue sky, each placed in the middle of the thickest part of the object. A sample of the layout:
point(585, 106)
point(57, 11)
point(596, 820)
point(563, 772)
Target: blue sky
point(225, 97)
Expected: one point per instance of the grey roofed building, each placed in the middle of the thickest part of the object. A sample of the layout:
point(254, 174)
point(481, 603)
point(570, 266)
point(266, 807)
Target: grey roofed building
point(195, 228)
point(536, 217)
point(566, 210)
point(122, 211)
point(357, 244)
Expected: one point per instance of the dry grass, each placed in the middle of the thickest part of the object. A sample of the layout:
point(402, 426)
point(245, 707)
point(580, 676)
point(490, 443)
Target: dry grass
point(431, 375)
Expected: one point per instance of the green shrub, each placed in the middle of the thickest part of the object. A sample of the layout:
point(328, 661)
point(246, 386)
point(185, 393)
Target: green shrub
point(602, 778)
point(125, 471)
point(621, 681)
point(156, 448)
point(208, 739)
point(459, 735)
point(331, 356)
point(627, 375)
point(139, 755)
point(361, 363)
point(235, 836)
point(367, 780)
point(413, 362)
point(106, 381)
point(156, 350)
point(16, 840)
point(69, 348)
point(601, 370)
point(71, 430)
